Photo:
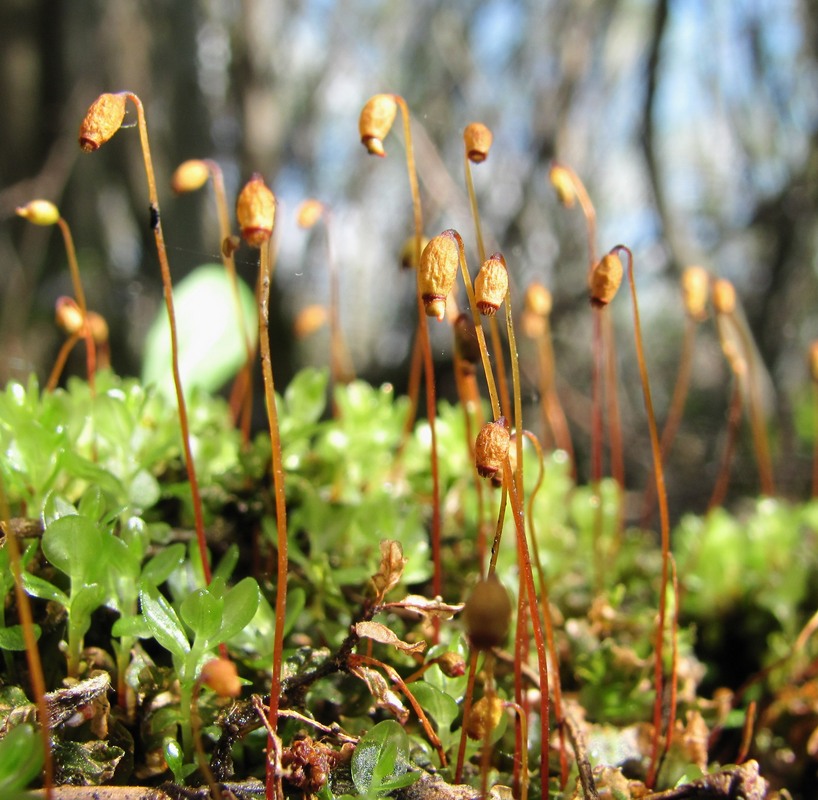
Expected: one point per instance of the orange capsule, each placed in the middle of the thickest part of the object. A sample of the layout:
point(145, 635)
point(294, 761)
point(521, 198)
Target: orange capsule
point(220, 675)
point(563, 184)
point(437, 272)
point(308, 213)
point(605, 280)
point(538, 300)
point(102, 121)
point(189, 176)
point(724, 296)
point(491, 448)
point(477, 139)
point(376, 121)
point(695, 290)
point(491, 285)
point(255, 211)
point(67, 315)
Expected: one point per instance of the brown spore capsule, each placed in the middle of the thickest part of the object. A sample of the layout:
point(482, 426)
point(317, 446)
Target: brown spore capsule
point(376, 121)
point(813, 361)
point(487, 614)
point(407, 252)
point(466, 343)
point(102, 121)
point(484, 717)
point(255, 211)
point(220, 675)
point(477, 139)
point(491, 448)
point(605, 280)
point(67, 315)
point(437, 272)
point(491, 285)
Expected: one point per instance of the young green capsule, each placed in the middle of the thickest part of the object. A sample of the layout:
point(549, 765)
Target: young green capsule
point(39, 212)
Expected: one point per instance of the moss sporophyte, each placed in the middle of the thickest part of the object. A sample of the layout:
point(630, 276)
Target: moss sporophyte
point(356, 603)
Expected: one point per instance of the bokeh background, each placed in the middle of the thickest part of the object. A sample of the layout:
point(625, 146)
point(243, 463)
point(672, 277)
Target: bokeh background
point(692, 122)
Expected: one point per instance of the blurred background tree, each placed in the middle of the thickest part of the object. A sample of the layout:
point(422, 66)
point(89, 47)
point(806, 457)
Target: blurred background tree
point(693, 124)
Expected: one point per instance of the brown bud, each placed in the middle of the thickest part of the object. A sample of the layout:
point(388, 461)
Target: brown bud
point(605, 280)
point(563, 183)
point(67, 315)
point(40, 212)
point(220, 675)
point(813, 361)
point(309, 320)
point(407, 252)
point(376, 121)
point(452, 664)
point(491, 285)
point(538, 300)
point(484, 717)
point(487, 614)
point(98, 326)
point(477, 138)
point(103, 120)
point(437, 272)
point(695, 289)
point(230, 244)
point(189, 176)
point(724, 296)
point(491, 448)
point(465, 339)
point(255, 211)
point(308, 213)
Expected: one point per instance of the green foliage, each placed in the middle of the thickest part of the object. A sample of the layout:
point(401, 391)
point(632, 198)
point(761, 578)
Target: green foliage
point(380, 763)
point(211, 347)
point(21, 759)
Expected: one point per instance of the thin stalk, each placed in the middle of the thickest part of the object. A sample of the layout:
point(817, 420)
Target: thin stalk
point(79, 294)
point(494, 331)
point(156, 227)
point(35, 666)
point(815, 441)
point(757, 424)
point(223, 214)
point(201, 756)
point(664, 520)
point(59, 362)
point(478, 328)
point(614, 423)
point(733, 422)
point(428, 365)
point(546, 612)
point(674, 416)
point(552, 407)
point(521, 716)
point(467, 705)
point(596, 444)
point(274, 786)
point(524, 564)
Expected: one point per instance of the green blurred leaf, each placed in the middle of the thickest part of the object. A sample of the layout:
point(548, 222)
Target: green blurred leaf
point(163, 622)
point(12, 638)
point(21, 758)
point(202, 612)
point(240, 604)
point(211, 344)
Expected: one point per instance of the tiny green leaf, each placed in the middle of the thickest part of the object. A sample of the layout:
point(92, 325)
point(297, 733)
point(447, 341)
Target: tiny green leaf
point(163, 622)
point(240, 604)
point(21, 758)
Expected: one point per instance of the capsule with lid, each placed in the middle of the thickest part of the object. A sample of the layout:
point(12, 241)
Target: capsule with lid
point(491, 448)
point(605, 280)
point(255, 211)
point(491, 285)
point(102, 120)
point(376, 121)
point(437, 272)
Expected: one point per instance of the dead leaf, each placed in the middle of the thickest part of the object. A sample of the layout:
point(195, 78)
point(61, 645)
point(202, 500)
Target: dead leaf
point(380, 633)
